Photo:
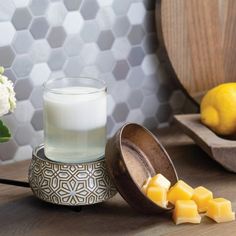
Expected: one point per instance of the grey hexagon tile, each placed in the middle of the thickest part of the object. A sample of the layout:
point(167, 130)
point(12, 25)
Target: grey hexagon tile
point(164, 93)
point(105, 18)
point(57, 59)
point(8, 150)
point(22, 65)
point(22, 42)
point(150, 64)
point(105, 40)
point(109, 79)
point(21, 18)
point(110, 104)
point(38, 7)
point(39, 28)
point(37, 120)
point(136, 13)
point(120, 91)
point(177, 100)
point(121, 112)
point(135, 99)
point(56, 37)
point(36, 97)
point(40, 51)
point(11, 122)
point(150, 43)
point(115, 128)
point(121, 48)
point(150, 105)
point(73, 22)
point(105, 3)
point(21, 3)
point(7, 9)
point(9, 32)
point(136, 116)
point(121, 26)
point(121, 70)
point(149, 23)
point(10, 74)
point(89, 9)
point(23, 153)
point(56, 13)
point(7, 56)
point(136, 34)
point(90, 71)
point(136, 77)
point(73, 67)
point(105, 61)
point(72, 5)
point(57, 74)
point(37, 139)
point(150, 85)
point(24, 134)
point(24, 111)
point(136, 56)
point(23, 88)
point(73, 45)
point(151, 123)
point(90, 31)
point(164, 113)
point(149, 5)
point(121, 7)
point(110, 124)
point(40, 73)
point(88, 54)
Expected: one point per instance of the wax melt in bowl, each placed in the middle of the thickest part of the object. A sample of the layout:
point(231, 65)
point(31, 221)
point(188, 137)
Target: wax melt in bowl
point(133, 155)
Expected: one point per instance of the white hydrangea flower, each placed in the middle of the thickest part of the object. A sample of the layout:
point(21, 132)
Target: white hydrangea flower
point(7, 95)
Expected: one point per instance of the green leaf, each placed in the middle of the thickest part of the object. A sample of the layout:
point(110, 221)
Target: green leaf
point(4, 133)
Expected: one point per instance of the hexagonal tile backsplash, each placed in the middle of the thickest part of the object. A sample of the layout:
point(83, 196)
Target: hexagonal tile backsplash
point(114, 40)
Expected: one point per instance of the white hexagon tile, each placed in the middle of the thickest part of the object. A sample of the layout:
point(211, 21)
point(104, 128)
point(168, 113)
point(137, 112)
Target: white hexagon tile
point(114, 40)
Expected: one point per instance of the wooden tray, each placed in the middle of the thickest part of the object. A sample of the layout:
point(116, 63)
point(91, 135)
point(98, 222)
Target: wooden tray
point(221, 150)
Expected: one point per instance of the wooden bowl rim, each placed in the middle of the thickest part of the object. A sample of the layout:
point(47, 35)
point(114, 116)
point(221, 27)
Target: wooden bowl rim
point(120, 133)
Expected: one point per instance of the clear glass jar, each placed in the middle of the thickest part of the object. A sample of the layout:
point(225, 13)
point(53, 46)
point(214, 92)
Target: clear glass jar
point(75, 113)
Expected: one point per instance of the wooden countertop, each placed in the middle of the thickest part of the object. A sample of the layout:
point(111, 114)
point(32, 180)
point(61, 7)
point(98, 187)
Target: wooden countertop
point(23, 214)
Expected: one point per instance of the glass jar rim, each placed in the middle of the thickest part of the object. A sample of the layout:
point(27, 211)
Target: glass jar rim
point(56, 91)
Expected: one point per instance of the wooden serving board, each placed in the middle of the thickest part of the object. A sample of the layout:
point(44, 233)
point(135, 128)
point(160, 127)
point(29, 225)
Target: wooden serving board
point(199, 37)
point(221, 150)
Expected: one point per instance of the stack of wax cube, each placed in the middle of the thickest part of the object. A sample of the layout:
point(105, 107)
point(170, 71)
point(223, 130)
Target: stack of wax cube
point(188, 202)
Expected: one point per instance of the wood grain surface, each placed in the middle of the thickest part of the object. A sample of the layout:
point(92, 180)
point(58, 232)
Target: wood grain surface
point(22, 214)
point(199, 36)
point(218, 148)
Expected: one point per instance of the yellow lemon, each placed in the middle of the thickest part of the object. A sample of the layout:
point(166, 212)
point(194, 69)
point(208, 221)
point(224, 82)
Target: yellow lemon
point(218, 109)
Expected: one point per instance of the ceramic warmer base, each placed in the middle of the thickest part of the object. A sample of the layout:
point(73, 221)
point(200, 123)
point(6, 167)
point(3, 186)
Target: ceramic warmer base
point(69, 184)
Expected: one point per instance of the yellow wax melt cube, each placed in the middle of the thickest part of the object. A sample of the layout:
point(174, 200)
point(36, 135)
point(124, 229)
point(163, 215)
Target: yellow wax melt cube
point(180, 191)
point(220, 210)
point(145, 185)
point(158, 195)
point(202, 196)
point(186, 212)
point(159, 180)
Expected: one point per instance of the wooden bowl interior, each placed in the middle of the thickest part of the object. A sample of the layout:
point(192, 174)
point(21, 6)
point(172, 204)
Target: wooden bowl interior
point(144, 156)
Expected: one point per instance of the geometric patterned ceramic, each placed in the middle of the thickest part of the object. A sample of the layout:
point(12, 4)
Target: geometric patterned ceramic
point(69, 184)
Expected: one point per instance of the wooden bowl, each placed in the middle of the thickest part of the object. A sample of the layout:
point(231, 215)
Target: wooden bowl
point(133, 155)
point(69, 184)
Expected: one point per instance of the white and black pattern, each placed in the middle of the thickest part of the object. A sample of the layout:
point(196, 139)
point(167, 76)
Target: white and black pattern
point(69, 184)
